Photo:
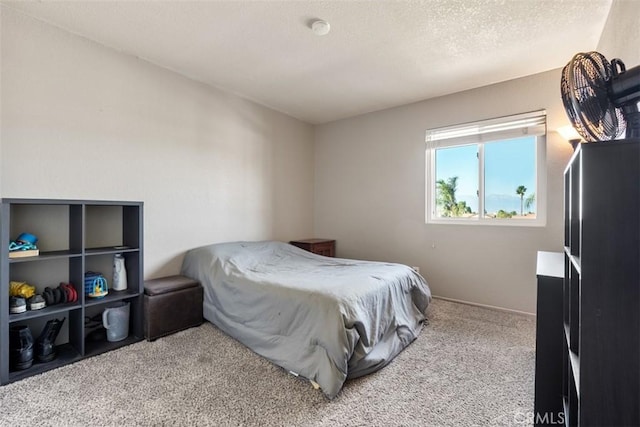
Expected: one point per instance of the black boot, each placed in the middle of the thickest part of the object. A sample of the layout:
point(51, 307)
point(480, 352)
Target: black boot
point(21, 348)
point(45, 344)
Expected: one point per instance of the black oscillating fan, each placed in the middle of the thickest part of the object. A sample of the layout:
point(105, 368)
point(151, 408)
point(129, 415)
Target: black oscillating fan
point(601, 98)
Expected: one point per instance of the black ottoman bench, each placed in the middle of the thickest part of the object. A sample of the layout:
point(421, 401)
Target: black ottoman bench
point(171, 304)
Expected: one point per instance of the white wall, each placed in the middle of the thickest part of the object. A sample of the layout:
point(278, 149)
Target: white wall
point(82, 121)
point(370, 194)
point(622, 32)
point(0, 100)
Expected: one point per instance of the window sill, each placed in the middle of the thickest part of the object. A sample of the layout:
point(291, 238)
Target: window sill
point(490, 222)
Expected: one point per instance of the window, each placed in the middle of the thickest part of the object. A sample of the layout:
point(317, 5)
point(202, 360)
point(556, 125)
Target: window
point(489, 172)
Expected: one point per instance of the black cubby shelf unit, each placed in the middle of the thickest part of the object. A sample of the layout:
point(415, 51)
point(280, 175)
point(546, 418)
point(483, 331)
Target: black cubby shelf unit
point(601, 288)
point(74, 236)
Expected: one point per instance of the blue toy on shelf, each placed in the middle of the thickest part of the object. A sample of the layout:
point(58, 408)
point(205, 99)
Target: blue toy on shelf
point(24, 242)
point(95, 285)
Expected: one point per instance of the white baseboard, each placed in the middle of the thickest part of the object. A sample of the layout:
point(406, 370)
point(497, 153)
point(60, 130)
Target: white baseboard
point(491, 307)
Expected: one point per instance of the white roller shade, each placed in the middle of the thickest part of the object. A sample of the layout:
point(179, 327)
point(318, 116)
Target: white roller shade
point(527, 124)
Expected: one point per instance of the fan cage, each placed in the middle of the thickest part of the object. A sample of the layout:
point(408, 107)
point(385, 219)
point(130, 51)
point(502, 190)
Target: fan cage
point(584, 86)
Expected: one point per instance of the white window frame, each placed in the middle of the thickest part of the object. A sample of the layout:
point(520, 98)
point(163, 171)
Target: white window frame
point(479, 133)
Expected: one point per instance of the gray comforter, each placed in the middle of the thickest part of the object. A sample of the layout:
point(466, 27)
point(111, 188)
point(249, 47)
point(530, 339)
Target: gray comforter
point(326, 319)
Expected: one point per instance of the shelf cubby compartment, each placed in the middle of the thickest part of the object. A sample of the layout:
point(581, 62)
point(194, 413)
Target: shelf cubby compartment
point(567, 203)
point(571, 416)
point(94, 347)
point(49, 272)
point(66, 354)
point(575, 207)
point(574, 310)
point(69, 344)
point(112, 225)
point(566, 368)
point(566, 290)
point(98, 260)
point(56, 225)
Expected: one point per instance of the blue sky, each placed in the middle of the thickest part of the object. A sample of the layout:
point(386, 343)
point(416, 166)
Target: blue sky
point(508, 164)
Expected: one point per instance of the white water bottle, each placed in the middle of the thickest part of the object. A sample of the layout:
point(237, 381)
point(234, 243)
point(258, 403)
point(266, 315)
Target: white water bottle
point(119, 273)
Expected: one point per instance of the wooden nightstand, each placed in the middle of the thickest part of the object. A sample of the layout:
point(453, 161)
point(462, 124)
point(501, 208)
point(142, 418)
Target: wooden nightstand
point(324, 247)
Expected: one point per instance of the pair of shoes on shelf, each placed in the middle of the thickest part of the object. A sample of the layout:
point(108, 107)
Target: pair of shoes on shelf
point(21, 345)
point(19, 305)
point(63, 294)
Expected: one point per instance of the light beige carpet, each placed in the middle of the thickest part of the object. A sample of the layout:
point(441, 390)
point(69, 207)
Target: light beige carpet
point(469, 367)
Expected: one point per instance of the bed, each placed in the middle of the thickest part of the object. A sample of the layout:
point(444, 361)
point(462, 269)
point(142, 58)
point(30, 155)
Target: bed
point(324, 319)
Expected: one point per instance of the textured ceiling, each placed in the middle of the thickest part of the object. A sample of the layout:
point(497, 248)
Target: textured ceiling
point(379, 54)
